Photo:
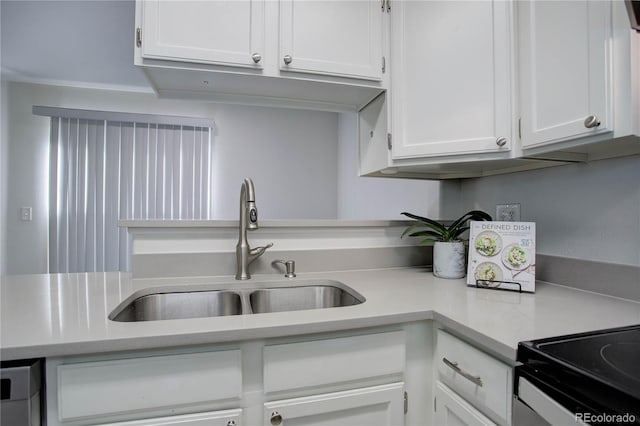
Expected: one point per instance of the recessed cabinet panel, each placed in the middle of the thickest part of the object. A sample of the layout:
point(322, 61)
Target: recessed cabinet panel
point(332, 37)
point(373, 406)
point(103, 389)
point(564, 69)
point(214, 418)
point(326, 362)
point(218, 32)
point(452, 410)
point(450, 78)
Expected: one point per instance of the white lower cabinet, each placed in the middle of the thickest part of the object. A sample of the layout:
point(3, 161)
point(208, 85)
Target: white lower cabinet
point(324, 382)
point(472, 382)
point(333, 379)
point(214, 418)
point(103, 389)
point(372, 406)
point(451, 409)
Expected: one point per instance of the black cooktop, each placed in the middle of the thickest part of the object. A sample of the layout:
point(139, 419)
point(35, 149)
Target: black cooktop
point(596, 372)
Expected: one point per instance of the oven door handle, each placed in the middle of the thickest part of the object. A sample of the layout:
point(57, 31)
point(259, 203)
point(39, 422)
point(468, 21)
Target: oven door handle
point(454, 366)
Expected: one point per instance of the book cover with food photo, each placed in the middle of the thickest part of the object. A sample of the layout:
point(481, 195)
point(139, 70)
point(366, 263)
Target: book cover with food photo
point(502, 255)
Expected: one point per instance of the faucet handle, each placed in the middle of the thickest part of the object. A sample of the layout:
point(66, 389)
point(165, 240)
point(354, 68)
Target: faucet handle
point(290, 265)
point(258, 251)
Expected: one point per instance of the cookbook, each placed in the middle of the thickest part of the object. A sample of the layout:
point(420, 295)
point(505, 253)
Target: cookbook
point(502, 255)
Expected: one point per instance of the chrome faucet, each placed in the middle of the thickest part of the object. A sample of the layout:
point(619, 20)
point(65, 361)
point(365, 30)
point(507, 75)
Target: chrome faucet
point(248, 220)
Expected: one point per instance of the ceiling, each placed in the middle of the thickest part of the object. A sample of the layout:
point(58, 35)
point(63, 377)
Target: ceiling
point(83, 42)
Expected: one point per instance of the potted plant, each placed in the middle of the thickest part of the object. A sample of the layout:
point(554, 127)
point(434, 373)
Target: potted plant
point(448, 245)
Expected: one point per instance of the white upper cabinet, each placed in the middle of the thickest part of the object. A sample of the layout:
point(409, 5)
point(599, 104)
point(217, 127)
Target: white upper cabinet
point(451, 78)
point(565, 70)
point(213, 32)
point(341, 38)
point(313, 54)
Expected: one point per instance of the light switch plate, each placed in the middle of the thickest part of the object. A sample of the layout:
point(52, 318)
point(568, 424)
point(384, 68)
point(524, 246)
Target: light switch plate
point(26, 214)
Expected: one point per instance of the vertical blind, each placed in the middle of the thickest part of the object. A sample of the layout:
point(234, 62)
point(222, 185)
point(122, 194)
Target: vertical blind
point(102, 171)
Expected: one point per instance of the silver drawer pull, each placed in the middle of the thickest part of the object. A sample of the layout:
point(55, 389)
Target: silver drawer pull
point(454, 366)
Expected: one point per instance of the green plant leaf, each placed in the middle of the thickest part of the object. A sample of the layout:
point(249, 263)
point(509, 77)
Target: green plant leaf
point(425, 233)
point(436, 231)
point(428, 222)
point(460, 231)
point(411, 229)
point(471, 215)
point(428, 241)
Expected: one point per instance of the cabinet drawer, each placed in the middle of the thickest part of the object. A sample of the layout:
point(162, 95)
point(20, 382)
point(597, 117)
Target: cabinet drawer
point(324, 362)
point(214, 418)
point(481, 379)
point(115, 387)
point(372, 406)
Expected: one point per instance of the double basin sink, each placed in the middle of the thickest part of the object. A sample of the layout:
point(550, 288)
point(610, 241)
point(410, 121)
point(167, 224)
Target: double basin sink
point(181, 302)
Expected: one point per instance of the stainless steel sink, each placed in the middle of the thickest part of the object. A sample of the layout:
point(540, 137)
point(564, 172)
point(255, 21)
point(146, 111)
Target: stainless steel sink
point(179, 305)
point(179, 302)
point(299, 298)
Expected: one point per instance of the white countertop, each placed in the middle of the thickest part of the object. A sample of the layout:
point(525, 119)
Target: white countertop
point(58, 315)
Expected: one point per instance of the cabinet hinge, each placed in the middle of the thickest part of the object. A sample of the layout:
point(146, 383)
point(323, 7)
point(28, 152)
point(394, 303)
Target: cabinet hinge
point(406, 403)
point(519, 128)
point(389, 143)
point(139, 37)
point(384, 65)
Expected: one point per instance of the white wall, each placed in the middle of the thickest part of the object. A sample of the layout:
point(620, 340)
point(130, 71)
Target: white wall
point(585, 211)
point(374, 197)
point(4, 177)
point(292, 156)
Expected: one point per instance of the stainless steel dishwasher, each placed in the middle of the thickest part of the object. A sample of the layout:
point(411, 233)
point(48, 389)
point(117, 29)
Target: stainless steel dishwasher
point(21, 393)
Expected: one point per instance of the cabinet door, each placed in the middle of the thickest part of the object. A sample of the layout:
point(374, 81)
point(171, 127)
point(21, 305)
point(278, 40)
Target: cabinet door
point(217, 32)
point(214, 418)
point(373, 406)
point(450, 80)
point(332, 37)
point(564, 69)
point(453, 410)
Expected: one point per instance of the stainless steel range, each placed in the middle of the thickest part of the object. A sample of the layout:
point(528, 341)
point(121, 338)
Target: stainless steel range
point(586, 378)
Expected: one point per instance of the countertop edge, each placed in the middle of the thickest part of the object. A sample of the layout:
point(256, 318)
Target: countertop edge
point(207, 337)
point(264, 223)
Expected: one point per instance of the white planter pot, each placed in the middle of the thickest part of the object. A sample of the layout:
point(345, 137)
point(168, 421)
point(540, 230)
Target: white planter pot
point(449, 259)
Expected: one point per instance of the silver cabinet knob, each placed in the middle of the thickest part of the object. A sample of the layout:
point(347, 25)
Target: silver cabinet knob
point(287, 59)
point(231, 423)
point(591, 121)
point(256, 57)
point(501, 141)
point(276, 418)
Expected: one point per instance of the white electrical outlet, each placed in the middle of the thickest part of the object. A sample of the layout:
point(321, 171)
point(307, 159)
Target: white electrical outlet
point(508, 212)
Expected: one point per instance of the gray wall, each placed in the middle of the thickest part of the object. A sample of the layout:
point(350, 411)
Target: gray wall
point(292, 156)
point(381, 198)
point(583, 211)
point(4, 177)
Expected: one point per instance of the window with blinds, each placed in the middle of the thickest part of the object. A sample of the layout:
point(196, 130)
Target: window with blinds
point(104, 170)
